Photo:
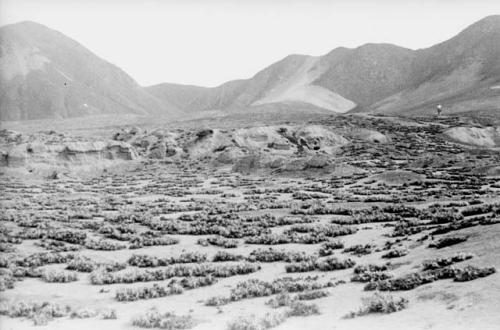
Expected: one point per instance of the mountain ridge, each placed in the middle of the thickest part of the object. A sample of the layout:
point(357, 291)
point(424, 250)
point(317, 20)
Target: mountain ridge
point(462, 72)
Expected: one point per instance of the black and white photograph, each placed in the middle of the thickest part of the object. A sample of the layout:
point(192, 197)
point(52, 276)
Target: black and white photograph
point(250, 164)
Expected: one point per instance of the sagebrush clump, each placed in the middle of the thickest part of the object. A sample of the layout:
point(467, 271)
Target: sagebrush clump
point(380, 303)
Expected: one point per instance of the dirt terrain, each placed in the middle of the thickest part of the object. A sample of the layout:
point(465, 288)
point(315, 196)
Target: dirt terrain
point(339, 222)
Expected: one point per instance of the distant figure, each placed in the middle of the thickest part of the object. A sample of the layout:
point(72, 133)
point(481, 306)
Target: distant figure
point(439, 109)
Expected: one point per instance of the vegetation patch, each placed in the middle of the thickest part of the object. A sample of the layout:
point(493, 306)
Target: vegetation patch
point(167, 320)
point(380, 303)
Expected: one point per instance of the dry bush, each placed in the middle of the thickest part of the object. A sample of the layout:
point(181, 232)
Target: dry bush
point(158, 290)
point(380, 303)
point(281, 299)
point(222, 256)
point(413, 280)
point(272, 255)
point(256, 288)
point(327, 248)
point(395, 253)
point(59, 276)
point(252, 322)
point(168, 320)
point(39, 313)
point(101, 276)
point(448, 241)
point(298, 308)
point(83, 313)
point(443, 262)
point(109, 314)
point(325, 265)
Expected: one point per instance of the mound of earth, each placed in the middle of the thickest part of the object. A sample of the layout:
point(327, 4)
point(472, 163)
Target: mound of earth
point(315, 137)
point(488, 137)
point(228, 146)
point(207, 142)
point(369, 135)
point(259, 138)
point(398, 177)
point(52, 149)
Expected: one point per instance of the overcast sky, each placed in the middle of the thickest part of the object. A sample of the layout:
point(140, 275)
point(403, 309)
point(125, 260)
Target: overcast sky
point(208, 42)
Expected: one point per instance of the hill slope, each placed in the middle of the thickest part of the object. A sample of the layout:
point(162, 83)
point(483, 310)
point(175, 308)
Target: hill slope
point(44, 74)
point(463, 73)
point(289, 80)
point(47, 75)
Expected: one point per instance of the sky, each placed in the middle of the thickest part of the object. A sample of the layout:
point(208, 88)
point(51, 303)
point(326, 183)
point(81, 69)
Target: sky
point(209, 42)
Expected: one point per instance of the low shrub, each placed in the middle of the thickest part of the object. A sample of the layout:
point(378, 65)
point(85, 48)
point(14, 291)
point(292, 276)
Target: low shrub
point(330, 264)
point(256, 288)
point(83, 313)
point(448, 241)
point(44, 258)
point(109, 314)
point(360, 249)
point(67, 235)
point(328, 247)
point(219, 241)
point(157, 290)
point(272, 255)
point(443, 262)
point(311, 295)
point(380, 303)
point(222, 256)
point(470, 273)
point(217, 301)
point(395, 253)
point(370, 277)
point(300, 267)
point(269, 239)
point(58, 246)
point(55, 276)
point(327, 264)
point(252, 322)
point(143, 260)
point(370, 268)
point(139, 242)
point(104, 245)
point(168, 320)
point(39, 313)
point(101, 276)
point(413, 280)
point(86, 265)
point(281, 299)
point(298, 308)
point(7, 281)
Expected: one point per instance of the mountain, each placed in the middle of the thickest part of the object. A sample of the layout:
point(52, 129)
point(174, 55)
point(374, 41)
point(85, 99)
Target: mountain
point(368, 73)
point(47, 75)
point(289, 80)
point(463, 73)
point(44, 74)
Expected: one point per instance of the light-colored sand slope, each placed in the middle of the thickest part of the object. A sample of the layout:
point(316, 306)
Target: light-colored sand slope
point(298, 87)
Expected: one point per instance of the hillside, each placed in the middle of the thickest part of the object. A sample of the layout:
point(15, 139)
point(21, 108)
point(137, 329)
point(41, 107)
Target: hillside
point(45, 74)
point(463, 73)
point(289, 80)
